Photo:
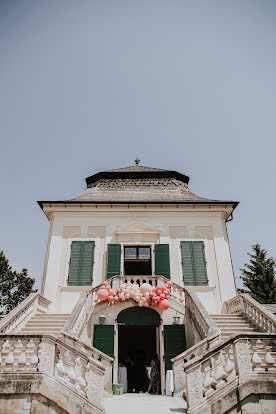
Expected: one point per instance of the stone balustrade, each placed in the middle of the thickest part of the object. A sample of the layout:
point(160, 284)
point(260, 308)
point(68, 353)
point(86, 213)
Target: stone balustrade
point(264, 320)
point(65, 363)
point(97, 355)
point(203, 327)
point(20, 315)
point(252, 354)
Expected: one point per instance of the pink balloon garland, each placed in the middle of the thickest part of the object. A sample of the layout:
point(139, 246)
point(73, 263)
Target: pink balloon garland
point(145, 295)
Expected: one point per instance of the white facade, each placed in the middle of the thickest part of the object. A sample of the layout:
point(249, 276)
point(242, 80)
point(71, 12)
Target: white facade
point(137, 224)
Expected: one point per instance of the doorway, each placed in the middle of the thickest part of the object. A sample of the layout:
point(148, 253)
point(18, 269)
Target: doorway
point(138, 343)
point(137, 346)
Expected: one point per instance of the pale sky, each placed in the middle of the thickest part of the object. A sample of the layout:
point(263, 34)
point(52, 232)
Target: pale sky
point(87, 86)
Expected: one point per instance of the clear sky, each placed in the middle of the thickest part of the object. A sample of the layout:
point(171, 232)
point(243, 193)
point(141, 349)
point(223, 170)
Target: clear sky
point(87, 86)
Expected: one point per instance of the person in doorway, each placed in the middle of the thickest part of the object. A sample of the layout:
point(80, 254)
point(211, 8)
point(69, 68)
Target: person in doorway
point(154, 375)
point(131, 370)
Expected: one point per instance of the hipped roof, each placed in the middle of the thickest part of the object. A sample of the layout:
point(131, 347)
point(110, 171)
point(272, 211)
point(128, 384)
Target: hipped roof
point(138, 184)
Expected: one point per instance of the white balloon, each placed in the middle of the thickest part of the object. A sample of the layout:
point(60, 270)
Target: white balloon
point(127, 296)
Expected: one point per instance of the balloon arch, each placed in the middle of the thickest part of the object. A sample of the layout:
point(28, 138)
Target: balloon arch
point(144, 295)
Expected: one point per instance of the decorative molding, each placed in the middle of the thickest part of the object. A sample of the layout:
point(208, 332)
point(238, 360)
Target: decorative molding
point(137, 228)
point(71, 231)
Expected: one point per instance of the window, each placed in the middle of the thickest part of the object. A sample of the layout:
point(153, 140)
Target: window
point(81, 263)
point(193, 263)
point(137, 260)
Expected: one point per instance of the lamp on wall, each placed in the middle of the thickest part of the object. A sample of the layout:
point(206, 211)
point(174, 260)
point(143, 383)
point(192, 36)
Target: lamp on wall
point(176, 319)
point(102, 319)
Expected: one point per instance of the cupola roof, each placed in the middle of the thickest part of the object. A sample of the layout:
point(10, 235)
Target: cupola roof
point(140, 185)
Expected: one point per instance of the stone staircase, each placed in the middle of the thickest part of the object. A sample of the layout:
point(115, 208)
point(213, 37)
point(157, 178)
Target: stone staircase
point(45, 323)
point(232, 324)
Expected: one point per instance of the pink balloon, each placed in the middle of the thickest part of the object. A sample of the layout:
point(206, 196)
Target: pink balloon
point(111, 292)
point(105, 283)
point(110, 298)
point(164, 304)
point(107, 287)
point(145, 287)
point(169, 283)
point(162, 296)
point(159, 291)
point(102, 294)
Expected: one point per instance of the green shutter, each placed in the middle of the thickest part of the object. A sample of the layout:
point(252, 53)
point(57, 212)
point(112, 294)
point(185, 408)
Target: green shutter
point(174, 342)
point(81, 263)
point(162, 260)
point(199, 264)
point(103, 338)
point(113, 267)
point(187, 263)
point(193, 263)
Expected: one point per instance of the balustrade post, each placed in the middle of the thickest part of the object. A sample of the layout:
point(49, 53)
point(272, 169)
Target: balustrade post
point(194, 385)
point(46, 356)
point(242, 356)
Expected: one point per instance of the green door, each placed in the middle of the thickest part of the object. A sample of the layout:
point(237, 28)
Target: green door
point(103, 338)
point(174, 341)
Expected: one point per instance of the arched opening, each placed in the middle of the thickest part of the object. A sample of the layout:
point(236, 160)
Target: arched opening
point(138, 342)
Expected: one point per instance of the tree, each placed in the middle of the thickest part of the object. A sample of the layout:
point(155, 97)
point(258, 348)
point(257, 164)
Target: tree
point(14, 286)
point(259, 276)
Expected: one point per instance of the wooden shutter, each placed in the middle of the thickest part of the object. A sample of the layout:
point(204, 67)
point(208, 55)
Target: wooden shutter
point(174, 342)
point(187, 263)
point(199, 264)
point(113, 267)
point(193, 263)
point(103, 338)
point(81, 263)
point(162, 260)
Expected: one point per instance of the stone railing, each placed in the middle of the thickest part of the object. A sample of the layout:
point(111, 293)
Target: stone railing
point(206, 335)
point(199, 315)
point(208, 376)
point(18, 317)
point(264, 320)
point(82, 375)
point(97, 355)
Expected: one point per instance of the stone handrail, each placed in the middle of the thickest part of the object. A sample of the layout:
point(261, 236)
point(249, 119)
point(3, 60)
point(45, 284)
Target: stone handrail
point(208, 375)
point(264, 320)
point(208, 332)
point(199, 315)
point(94, 353)
point(44, 354)
point(18, 316)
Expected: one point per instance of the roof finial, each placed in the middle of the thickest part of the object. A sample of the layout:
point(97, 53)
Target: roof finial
point(137, 161)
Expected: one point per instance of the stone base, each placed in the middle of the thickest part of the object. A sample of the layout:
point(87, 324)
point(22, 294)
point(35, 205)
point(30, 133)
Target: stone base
point(40, 394)
point(252, 395)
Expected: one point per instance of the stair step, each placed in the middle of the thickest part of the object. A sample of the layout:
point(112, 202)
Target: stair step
point(224, 316)
point(237, 326)
point(41, 315)
point(46, 321)
point(227, 332)
point(40, 330)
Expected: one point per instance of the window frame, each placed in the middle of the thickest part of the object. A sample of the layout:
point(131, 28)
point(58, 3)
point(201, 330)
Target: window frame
point(151, 245)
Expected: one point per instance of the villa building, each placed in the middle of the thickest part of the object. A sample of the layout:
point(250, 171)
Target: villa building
point(142, 235)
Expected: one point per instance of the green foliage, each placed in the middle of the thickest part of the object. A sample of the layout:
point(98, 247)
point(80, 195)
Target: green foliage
point(259, 276)
point(14, 286)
